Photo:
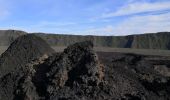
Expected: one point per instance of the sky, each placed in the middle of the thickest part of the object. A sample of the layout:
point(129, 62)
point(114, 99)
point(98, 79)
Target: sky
point(86, 17)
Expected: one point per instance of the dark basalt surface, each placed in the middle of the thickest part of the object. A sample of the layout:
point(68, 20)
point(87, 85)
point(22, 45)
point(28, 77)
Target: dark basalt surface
point(22, 51)
point(79, 73)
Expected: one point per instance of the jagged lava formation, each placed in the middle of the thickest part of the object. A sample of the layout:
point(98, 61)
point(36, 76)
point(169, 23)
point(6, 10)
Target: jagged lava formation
point(31, 70)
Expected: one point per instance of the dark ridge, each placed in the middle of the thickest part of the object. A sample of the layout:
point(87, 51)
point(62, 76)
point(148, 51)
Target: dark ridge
point(22, 51)
point(158, 40)
point(8, 36)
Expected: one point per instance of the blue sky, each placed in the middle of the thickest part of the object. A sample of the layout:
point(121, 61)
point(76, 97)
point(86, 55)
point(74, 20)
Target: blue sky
point(86, 17)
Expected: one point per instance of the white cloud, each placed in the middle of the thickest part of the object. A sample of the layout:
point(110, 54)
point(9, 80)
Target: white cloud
point(138, 7)
point(143, 24)
point(135, 25)
point(155, 18)
point(132, 25)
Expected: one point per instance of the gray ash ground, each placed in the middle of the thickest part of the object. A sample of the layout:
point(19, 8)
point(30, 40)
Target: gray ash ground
point(31, 70)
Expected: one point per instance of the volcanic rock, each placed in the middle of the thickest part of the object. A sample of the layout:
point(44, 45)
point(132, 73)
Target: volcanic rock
point(78, 73)
point(76, 69)
point(21, 51)
point(13, 62)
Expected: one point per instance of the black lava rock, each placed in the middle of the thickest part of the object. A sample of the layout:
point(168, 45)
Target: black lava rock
point(15, 61)
point(79, 73)
point(22, 51)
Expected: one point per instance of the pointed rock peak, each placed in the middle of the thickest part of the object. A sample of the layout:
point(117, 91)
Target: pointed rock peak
point(22, 51)
point(77, 65)
point(84, 46)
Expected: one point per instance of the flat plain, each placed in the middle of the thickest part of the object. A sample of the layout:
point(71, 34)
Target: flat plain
point(155, 52)
point(118, 50)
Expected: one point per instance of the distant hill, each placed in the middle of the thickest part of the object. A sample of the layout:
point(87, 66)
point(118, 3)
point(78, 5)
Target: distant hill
point(159, 40)
point(8, 36)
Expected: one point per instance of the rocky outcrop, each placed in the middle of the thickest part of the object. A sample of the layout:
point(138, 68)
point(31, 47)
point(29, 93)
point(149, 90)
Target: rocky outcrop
point(41, 77)
point(16, 63)
point(78, 73)
point(22, 51)
point(75, 69)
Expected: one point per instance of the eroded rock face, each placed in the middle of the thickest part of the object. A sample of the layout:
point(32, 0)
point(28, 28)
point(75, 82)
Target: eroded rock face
point(79, 73)
point(16, 65)
point(76, 68)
